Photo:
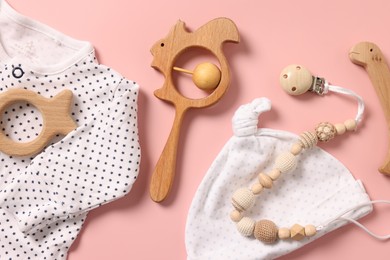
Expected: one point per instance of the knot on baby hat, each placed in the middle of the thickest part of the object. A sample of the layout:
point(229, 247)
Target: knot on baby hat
point(245, 119)
point(316, 192)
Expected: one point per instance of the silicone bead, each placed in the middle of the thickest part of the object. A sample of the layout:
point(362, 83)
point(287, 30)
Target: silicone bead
point(257, 188)
point(266, 231)
point(243, 199)
point(284, 233)
point(246, 226)
point(235, 215)
point(350, 124)
point(265, 180)
point(310, 230)
point(285, 162)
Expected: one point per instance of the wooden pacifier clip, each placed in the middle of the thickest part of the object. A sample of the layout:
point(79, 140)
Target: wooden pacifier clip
point(295, 80)
point(55, 114)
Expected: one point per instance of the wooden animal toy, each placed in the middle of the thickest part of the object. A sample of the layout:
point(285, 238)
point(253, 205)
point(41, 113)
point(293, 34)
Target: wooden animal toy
point(55, 114)
point(370, 56)
point(211, 37)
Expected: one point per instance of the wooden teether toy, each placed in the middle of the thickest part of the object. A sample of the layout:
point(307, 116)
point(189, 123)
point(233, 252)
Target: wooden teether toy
point(55, 114)
point(294, 79)
point(369, 56)
point(206, 76)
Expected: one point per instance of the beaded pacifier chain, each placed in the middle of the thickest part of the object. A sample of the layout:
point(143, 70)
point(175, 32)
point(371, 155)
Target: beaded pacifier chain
point(295, 80)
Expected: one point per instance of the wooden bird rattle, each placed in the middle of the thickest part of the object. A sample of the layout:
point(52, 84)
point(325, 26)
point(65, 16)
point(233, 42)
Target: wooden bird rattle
point(370, 56)
point(206, 76)
point(55, 114)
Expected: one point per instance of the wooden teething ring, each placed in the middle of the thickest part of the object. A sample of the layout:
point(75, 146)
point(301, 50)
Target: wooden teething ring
point(55, 114)
point(210, 36)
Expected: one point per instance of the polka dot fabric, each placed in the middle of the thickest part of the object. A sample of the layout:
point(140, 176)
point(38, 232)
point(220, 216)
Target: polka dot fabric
point(318, 190)
point(45, 198)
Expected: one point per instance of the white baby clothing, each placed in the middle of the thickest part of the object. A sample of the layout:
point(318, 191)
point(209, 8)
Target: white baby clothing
point(316, 192)
point(44, 199)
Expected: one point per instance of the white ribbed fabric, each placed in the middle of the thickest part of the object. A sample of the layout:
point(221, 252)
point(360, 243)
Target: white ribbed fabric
point(320, 188)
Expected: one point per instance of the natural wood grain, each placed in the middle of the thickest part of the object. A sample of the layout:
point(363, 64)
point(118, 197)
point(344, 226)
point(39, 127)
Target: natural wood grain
point(164, 173)
point(295, 79)
point(206, 76)
point(297, 232)
point(55, 114)
point(210, 36)
point(370, 56)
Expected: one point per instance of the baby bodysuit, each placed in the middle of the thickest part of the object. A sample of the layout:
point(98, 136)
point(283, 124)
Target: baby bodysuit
point(44, 198)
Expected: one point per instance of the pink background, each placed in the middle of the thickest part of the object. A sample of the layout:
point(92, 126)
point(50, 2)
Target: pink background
point(316, 34)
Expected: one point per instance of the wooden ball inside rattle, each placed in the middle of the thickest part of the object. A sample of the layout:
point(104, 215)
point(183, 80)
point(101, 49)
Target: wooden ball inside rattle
point(205, 76)
point(295, 79)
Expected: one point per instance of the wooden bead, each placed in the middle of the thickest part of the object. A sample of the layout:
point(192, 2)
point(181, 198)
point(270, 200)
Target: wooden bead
point(243, 199)
point(265, 180)
point(285, 162)
point(246, 226)
point(284, 233)
point(257, 188)
point(340, 128)
point(297, 232)
point(350, 124)
point(295, 79)
point(206, 76)
point(266, 231)
point(310, 230)
point(296, 148)
point(325, 131)
point(235, 215)
point(274, 174)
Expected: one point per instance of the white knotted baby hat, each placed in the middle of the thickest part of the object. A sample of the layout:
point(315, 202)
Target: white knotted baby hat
point(320, 191)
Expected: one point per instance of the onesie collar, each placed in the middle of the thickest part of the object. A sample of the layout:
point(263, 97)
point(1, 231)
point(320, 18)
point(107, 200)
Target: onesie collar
point(83, 47)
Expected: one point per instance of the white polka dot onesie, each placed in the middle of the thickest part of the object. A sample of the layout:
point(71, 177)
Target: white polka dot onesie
point(44, 199)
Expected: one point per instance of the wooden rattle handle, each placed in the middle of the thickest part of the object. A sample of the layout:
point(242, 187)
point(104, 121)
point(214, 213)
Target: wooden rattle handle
point(205, 76)
point(164, 172)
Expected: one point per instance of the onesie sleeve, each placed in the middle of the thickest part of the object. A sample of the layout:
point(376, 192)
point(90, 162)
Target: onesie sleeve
point(93, 165)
